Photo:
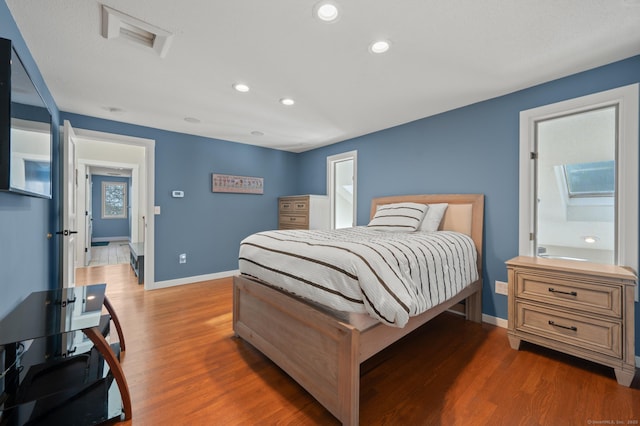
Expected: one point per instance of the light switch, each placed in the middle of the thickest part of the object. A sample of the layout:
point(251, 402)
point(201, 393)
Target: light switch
point(156, 209)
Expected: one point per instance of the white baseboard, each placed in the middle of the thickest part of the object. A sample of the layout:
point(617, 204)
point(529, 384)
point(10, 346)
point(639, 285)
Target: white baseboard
point(500, 322)
point(194, 279)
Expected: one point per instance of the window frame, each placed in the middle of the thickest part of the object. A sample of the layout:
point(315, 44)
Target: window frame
point(104, 214)
point(585, 194)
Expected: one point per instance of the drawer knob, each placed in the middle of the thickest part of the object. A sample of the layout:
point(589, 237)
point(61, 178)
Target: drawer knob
point(572, 328)
point(569, 293)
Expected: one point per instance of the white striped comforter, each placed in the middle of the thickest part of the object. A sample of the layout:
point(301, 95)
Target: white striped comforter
point(389, 275)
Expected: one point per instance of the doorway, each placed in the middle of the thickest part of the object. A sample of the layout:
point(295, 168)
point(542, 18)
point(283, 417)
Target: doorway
point(104, 152)
point(342, 188)
point(103, 239)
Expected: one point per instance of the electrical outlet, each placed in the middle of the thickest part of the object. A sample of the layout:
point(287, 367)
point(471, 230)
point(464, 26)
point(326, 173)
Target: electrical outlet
point(183, 258)
point(502, 288)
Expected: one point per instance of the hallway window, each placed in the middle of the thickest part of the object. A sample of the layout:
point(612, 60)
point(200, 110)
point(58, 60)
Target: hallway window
point(114, 200)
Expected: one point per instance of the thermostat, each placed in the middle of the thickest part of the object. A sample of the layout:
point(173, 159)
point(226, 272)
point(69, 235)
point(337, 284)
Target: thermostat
point(177, 194)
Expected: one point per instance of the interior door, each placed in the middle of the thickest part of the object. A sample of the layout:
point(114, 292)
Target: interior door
point(341, 188)
point(575, 169)
point(69, 195)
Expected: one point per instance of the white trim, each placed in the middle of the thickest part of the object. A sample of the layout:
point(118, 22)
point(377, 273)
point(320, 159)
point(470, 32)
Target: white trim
point(627, 163)
point(499, 322)
point(195, 279)
point(150, 161)
point(351, 155)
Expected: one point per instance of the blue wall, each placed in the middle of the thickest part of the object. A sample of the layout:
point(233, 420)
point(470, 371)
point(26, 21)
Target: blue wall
point(207, 226)
point(28, 260)
point(471, 149)
point(106, 228)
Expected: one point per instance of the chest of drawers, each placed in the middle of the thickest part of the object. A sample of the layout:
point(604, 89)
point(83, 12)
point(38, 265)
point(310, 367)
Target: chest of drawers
point(303, 212)
point(580, 308)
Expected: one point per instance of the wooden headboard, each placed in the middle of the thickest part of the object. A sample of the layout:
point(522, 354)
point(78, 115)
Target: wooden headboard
point(465, 213)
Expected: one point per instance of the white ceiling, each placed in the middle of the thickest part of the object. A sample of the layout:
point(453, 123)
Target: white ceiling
point(445, 54)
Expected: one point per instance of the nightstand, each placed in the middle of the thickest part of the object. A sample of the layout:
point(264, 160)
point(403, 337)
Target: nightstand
point(580, 308)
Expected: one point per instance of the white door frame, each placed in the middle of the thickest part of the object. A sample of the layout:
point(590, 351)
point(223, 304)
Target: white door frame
point(83, 257)
point(149, 161)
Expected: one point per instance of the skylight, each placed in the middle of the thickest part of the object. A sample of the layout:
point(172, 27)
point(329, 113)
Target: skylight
point(595, 179)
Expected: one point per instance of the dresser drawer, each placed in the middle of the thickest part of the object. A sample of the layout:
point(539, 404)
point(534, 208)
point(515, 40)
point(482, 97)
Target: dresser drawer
point(597, 335)
point(567, 292)
point(293, 221)
point(294, 206)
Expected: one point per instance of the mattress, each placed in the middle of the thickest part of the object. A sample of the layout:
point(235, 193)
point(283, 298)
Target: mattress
point(391, 276)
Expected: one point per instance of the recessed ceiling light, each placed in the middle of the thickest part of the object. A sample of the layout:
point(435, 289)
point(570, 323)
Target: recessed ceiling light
point(380, 46)
point(257, 133)
point(287, 101)
point(241, 87)
point(590, 239)
point(326, 11)
point(191, 120)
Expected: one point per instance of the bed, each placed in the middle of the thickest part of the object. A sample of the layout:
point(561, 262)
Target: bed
point(322, 348)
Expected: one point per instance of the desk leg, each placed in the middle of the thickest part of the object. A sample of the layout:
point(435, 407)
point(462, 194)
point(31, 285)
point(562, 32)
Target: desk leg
point(116, 321)
point(103, 347)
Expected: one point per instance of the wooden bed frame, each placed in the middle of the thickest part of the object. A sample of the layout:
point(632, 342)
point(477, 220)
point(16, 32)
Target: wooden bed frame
point(323, 353)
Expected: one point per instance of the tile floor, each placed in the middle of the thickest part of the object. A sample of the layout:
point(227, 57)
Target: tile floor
point(114, 253)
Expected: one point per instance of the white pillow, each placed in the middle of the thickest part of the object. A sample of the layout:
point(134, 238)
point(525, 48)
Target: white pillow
point(398, 217)
point(432, 219)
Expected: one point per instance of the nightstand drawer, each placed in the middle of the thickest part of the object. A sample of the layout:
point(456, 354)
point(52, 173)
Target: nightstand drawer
point(570, 293)
point(593, 334)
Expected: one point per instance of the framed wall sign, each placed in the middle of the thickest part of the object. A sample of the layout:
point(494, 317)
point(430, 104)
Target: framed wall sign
point(237, 184)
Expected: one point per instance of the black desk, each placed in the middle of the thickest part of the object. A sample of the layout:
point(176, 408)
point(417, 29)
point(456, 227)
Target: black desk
point(59, 367)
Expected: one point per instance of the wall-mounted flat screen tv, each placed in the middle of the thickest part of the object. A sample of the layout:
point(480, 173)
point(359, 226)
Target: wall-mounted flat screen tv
point(25, 129)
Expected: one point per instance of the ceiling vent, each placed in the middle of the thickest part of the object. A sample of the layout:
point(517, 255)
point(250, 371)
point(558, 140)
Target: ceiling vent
point(117, 24)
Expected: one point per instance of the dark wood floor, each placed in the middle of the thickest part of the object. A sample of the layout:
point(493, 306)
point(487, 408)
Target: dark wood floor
point(185, 367)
